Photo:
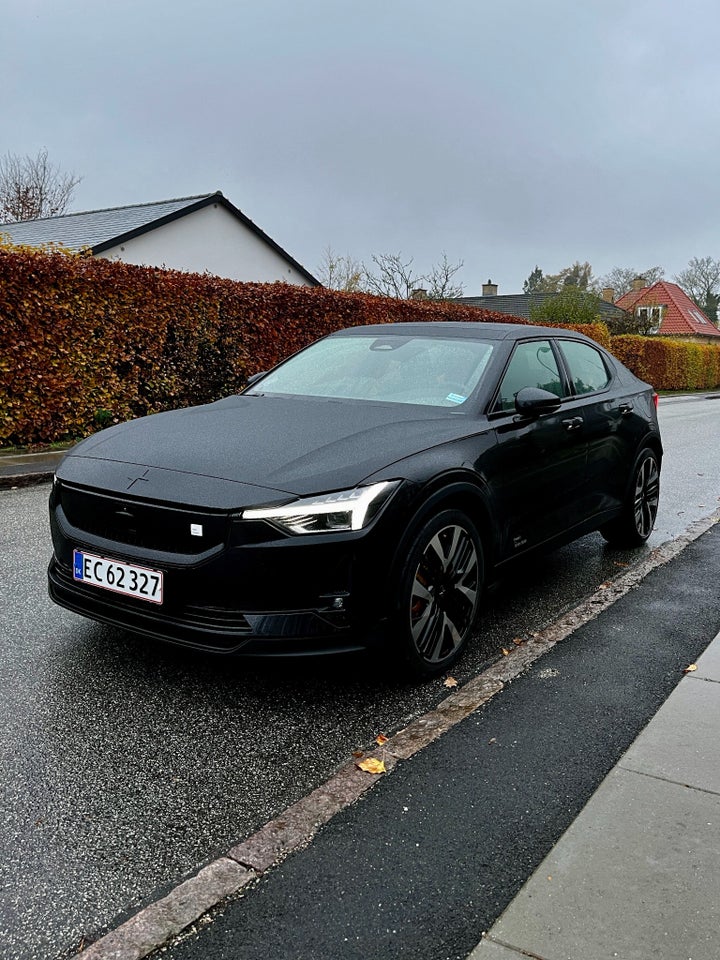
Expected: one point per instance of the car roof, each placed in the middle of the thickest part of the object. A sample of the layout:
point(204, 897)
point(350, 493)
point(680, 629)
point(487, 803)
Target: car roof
point(434, 328)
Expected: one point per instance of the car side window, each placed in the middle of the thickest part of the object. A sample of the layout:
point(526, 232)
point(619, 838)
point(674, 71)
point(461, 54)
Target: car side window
point(532, 364)
point(588, 372)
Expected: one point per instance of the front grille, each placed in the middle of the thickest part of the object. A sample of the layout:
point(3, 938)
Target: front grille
point(142, 524)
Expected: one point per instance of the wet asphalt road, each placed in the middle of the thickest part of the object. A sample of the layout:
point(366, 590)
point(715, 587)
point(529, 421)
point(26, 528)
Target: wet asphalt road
point(127, 765)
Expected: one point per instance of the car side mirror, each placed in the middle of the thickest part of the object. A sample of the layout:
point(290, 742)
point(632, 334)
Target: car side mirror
point(532, 402)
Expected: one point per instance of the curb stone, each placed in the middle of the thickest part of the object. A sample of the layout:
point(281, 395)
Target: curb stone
point(296, 826)
point(14, 481)
point(163, 919)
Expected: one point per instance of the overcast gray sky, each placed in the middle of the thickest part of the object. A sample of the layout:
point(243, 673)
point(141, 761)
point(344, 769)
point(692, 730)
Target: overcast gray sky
point(505, 133)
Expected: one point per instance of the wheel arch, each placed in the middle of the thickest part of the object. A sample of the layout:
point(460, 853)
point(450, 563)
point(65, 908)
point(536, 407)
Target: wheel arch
point(655, 444)
point(623, 531)
point(650, 442)
point(449, 492)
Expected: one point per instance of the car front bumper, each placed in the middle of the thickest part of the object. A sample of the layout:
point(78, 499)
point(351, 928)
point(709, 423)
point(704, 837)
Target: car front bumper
point(252, 590)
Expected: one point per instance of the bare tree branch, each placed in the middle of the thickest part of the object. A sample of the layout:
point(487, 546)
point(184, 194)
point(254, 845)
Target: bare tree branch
point(340, 273)
point(621, 278)
point(701, 280)
point(395, 277)
point(441, 283)
point(31, 188)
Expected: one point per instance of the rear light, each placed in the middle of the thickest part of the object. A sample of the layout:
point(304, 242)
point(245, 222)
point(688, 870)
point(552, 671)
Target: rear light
point(656, 400)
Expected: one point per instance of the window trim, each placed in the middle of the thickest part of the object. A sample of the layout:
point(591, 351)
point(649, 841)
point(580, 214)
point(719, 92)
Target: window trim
point(568, 373)
point(494, 414)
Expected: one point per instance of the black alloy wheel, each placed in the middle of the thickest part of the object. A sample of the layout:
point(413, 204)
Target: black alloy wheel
point(441, 587)
point(636, 523)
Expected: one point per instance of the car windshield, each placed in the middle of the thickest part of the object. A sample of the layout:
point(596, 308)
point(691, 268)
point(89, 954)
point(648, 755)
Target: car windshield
point(391, 369)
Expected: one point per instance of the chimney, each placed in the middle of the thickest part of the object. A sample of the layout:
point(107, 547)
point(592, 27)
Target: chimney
point(419, 293)
point(608, 294)
point(638, 283)
point(489, 289)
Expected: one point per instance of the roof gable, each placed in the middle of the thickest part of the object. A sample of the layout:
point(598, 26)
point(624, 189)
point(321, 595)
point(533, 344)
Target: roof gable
point(97, 229)
point(682, 315)
point(100, 230)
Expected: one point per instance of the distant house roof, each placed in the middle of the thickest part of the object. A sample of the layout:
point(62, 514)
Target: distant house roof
point(519, 304)
point(682, 317)
point(99, 230)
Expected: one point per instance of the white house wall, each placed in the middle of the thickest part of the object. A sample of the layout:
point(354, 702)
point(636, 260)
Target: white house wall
point(210, 239)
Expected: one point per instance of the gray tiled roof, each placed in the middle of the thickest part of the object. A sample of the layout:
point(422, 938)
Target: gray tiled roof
point(101, 230)
point(518, 304)
point(95, 227)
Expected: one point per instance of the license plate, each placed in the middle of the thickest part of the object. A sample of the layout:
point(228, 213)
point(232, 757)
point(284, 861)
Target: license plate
point(126, 578)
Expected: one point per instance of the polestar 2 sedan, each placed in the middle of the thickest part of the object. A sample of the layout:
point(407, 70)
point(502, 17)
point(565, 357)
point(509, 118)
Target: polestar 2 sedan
point(361, 494)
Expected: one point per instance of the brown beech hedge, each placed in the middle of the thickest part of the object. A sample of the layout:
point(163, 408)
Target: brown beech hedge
point(86, 342)
point(670, 364)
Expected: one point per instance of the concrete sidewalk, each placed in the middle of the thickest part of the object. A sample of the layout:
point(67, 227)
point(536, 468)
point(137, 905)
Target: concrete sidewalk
point(636, 875)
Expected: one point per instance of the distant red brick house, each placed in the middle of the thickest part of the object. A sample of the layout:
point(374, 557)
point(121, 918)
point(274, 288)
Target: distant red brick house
point(670, 310)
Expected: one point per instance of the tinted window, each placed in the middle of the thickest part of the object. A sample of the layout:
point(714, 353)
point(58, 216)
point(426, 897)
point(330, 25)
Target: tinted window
point(391, 369)
point(588, 372)
point(532, 365)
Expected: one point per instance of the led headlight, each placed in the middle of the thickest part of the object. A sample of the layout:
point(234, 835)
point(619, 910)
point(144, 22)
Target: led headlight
point(328, 513)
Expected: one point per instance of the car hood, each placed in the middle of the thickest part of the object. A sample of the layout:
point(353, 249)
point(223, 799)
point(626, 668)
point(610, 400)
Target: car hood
point(266, 447)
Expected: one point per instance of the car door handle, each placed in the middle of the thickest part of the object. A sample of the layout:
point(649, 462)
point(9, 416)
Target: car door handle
point(625, 409)
point(573, 424)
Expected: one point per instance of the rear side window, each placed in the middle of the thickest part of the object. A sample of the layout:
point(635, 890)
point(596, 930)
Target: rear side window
point(531, 365)
point(588, 372)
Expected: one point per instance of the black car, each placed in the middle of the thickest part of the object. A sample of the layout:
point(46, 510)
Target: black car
point(361, 493)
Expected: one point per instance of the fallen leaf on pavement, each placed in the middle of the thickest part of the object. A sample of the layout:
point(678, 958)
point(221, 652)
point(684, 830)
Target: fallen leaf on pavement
point(691, 669)
point(619, 563)
point(372, 765)
point(450, 682)
point(358, 753)
point(604, 586)
point(517, 641)
point(506, 653)
point(492, 740)
point(381, 739)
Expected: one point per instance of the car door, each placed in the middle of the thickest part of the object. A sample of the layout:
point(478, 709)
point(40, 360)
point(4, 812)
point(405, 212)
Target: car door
point(538, 470)
point(612, 428)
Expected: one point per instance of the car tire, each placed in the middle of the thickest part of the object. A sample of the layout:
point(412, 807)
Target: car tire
point(635, 524)
point(439, 590)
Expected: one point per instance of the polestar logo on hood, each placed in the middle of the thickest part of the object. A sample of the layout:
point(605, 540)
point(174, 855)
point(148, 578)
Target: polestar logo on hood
point(134, 480)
